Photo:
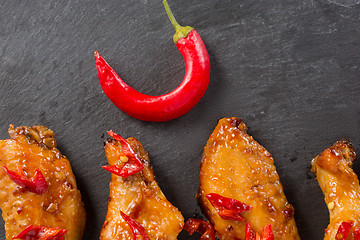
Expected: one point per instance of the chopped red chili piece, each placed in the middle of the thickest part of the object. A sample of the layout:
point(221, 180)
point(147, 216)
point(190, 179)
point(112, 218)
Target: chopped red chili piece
point(344, 230)
point(136, 228)
point(36, 185)
point(267, 233)
point(249, 234)
point(356, 234)
point(205, 228)
point(132, 166)
point(228, 208)
point(41, 233)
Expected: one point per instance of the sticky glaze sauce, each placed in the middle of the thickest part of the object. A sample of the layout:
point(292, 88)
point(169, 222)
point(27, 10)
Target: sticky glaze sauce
point(340, 186)
point(234, 165)
point(60, 206)
point(140, 197)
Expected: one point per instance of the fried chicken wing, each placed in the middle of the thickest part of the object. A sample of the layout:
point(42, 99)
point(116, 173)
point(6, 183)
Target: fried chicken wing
point(340, 186)
point(235, 166)
point(140, 197)
point(32, 152)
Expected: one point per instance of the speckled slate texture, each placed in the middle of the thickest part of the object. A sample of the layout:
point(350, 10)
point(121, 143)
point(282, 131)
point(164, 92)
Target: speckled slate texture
point(290, 69)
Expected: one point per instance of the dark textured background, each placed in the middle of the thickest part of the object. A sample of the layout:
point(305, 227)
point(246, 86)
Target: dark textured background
point(290, 69)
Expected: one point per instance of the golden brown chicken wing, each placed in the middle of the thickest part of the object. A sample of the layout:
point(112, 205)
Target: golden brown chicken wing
point(38, 187)
point(235, 166)
point(340, 186)
point(139, 197)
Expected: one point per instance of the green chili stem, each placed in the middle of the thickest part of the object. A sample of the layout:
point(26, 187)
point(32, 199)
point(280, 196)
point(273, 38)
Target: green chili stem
point(171, 16)
point(180, 31)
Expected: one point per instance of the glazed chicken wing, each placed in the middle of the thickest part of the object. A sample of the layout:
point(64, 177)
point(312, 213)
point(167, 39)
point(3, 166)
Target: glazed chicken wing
point(235, 166)
point(340, 186)
point(139, 197)
point(38, 187)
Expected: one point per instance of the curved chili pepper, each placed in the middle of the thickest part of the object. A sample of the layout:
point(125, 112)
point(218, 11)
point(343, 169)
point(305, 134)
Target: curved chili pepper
point(36, 185)
point(136, 228)
point(343, 230)
point(205, 228)
point(171, 105)
point(41, 233)
point(132, 166)
point(228, 208)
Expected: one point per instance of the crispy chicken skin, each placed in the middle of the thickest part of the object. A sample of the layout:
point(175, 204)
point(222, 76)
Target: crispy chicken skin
point(235, 166)
point(340, 186)
point(60, 206)
point(140, 197)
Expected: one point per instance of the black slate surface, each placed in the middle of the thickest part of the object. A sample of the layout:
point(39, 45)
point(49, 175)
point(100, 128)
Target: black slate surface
point(289, 69)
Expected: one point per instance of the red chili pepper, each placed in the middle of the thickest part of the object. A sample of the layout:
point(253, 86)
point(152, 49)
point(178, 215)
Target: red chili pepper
point(136, 228)
point(205, 228)
point(267, 233)
point(41, 233)
point(36, 185)
point(228, 208)
point(249, 234)
point(132, 166)
point(171, 105)
point(356, 234)
point(344, 230)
